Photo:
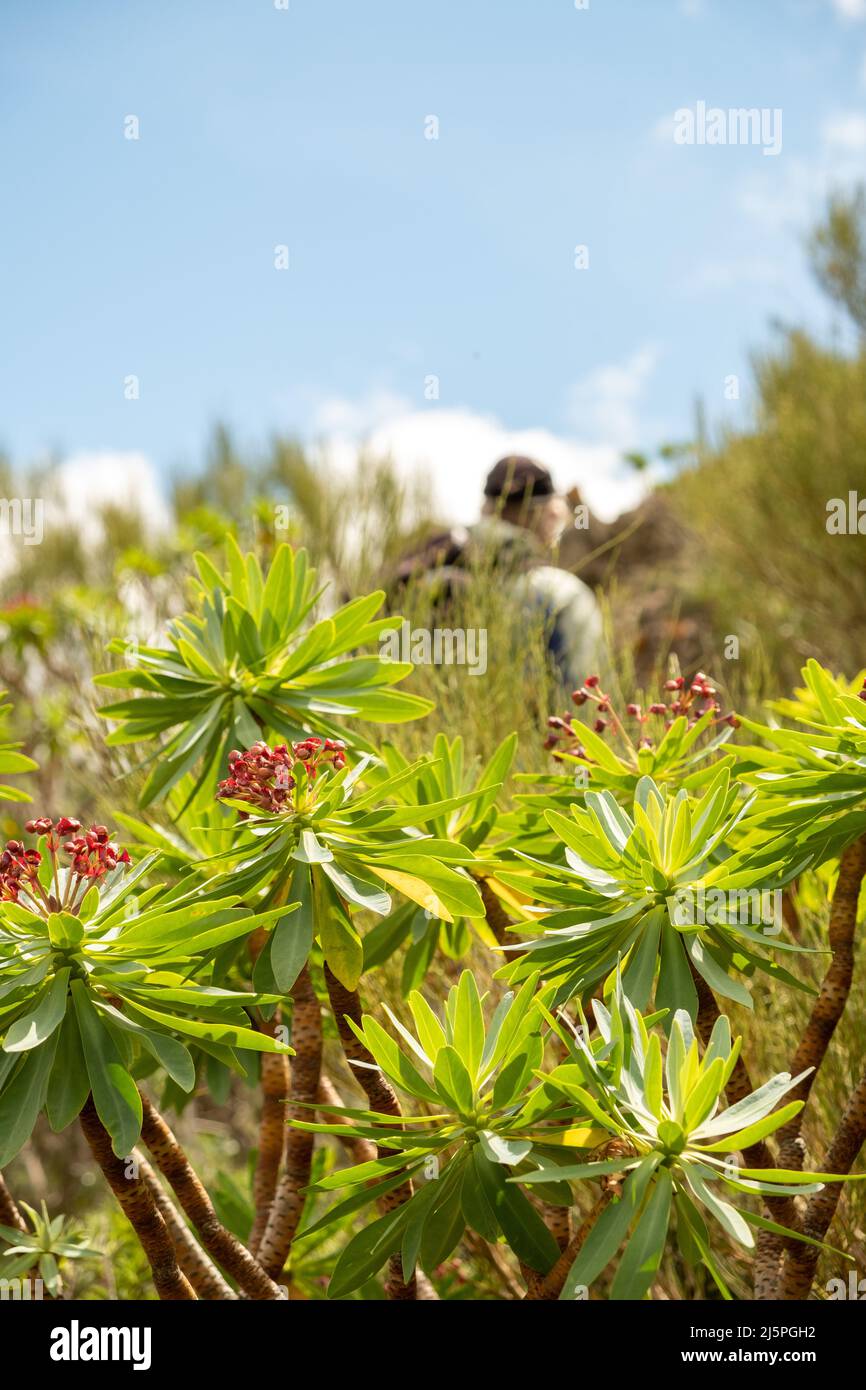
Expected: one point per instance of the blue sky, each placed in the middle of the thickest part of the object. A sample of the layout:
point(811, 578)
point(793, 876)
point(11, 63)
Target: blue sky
point(408, 257)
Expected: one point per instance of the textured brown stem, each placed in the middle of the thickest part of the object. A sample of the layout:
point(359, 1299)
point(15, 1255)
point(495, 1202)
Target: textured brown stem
point(558, 1222)
point(288, 1203)
point(11, 1216)
point(497, 918)
point(139, 1209)
point(195, 1264)
point(382, 1098)
point(549, 1288)
point(826, 1013)
point(800, 1260)
point(832, 998)
point(361, 1150)
point(220, 1244)
point(9, 1213)
point(275, 1084)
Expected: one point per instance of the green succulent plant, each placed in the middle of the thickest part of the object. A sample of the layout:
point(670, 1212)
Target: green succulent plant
point(314, 834)
point(666, 1111)
point(98, 974)
point(811, 780)
point(484, 1115)
point(249, 659)
point(659, 889)
point(471, 823)
point(42, 1250)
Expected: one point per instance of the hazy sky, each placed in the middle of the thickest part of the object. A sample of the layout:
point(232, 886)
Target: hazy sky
point(408, 257)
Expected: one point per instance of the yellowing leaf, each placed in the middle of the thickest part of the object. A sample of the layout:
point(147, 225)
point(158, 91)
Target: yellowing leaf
point(413, 888)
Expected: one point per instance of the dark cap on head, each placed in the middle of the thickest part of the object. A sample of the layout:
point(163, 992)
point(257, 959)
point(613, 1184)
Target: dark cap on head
point(516, 477)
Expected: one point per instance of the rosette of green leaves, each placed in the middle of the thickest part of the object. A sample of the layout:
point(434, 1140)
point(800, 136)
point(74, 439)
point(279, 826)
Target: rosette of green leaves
point(40, 1252)
point(12, 761)
point(667, 1110)
point(660, 890)
point(484, 1118)
point(471, 823)
point(683, 757)
point(811, 780)
point(249, 659)
point(88, 1002)
point(342, 852)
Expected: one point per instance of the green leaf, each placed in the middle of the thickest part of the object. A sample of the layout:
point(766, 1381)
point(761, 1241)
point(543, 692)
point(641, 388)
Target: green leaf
point(292, 937)
point(171, 1054)
point(453, 1081)
point(115, 1094)
point(34, 1028)
point(23, 1098)
point(341, 944)
point(521, 1224)
point(367, 1251)
point(501, 1150)
point(69, 1083)
point(608, 1232)
point(468, 1023)
point(643, 1254)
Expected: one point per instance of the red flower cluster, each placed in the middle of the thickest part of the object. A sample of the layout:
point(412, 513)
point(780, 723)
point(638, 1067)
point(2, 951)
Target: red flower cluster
point(264, 777)
point(693, 700)
point(93, 855)
point(18, 868)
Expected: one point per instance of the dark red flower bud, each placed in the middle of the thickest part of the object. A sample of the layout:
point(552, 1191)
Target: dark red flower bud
point(600, 725)
point(632, 709)
point(658, 709)
point(591, 682)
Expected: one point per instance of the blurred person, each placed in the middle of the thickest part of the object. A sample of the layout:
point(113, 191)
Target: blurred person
point(523, 519)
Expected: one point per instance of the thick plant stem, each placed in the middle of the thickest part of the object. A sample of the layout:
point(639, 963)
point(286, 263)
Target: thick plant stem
point(832, 998)
point(382, 1098)
point(558, 1222)
point(361, 1150)
point(826, 1013)
point(275, 1084)
point(220, 1244)
point(192, 1260)
point(139, 1209)
point(550, 1286)
point(288, 1203)
point(497, 918)
point(11, 1216)
point(199, 1269)
point(800, 1260)
point(9, 1213)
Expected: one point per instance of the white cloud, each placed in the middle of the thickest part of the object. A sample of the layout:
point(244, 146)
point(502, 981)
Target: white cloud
point(850, 9)
point(846, 131)
point(605, 403)
point(792, 194)
point(455, 447)
point(714, 276)
point(85, 483)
